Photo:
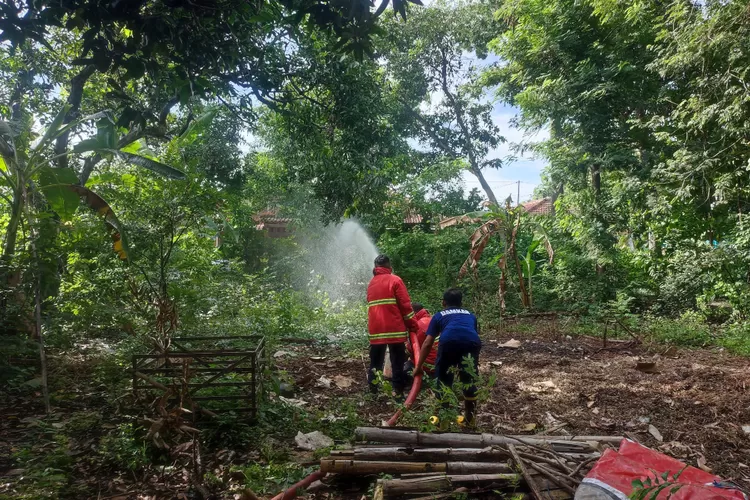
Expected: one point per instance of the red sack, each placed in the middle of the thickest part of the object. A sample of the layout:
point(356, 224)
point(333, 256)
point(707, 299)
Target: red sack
point(613, 475)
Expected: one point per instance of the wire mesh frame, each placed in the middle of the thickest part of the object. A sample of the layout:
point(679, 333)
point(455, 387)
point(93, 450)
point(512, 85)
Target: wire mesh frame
point(238, 368)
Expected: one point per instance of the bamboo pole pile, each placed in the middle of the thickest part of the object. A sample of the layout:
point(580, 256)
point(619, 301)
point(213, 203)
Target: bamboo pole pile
point(436, 465)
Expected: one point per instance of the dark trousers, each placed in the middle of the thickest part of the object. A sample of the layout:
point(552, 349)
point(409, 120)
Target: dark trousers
point(377, 360)
point(451, 358)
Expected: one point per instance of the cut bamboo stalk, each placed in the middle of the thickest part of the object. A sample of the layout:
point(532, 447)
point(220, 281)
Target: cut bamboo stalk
point(477, 468)
point(361, 467)
point(441, 483)
point(371, 433)
point(535, 493)
point(354, 467)
point(471, 440)
point(489, 454)
point(424, 454)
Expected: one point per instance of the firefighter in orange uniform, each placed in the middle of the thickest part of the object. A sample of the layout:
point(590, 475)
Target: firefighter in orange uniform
point(423, 317)
point(389, 319)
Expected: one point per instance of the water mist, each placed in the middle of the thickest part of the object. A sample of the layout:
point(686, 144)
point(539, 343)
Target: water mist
point(341, 261)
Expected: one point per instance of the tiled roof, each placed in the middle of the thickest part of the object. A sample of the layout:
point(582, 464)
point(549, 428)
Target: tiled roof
point(542, 206)
point(412, 218)
point(270, 216)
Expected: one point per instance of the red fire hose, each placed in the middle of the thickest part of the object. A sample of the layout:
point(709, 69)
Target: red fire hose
point(291, 492)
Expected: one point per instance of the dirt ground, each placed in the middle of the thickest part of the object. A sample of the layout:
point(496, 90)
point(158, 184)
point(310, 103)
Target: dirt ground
point(697, 400)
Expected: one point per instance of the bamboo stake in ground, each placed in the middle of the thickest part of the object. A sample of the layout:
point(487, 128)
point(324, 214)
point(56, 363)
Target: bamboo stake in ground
point(536, 494)
point(441, 483)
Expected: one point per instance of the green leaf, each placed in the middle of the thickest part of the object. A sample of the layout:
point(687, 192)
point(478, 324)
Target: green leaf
point(53, 182)
point(133, 147)
point(53, 127)
point(100, 206)
point(230, 230)
point(147, 163)
point(677, 476)
point(199, 125)
point(90, 144)
point(96, 116)
point(106, 134)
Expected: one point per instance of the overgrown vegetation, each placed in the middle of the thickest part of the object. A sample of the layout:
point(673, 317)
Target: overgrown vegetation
point(149, 152)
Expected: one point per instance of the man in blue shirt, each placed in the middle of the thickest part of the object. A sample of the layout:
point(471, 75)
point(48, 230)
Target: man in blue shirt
point(459, 338)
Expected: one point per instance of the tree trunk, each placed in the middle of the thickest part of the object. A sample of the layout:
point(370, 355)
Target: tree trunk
point(11, 230)
point(458, 111)
point(596, 179)
point(74, 100)
point(483, 182)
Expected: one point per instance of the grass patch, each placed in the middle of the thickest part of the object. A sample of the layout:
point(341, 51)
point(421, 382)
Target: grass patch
point(689, 330)
point(271, 478)
point(735, 338)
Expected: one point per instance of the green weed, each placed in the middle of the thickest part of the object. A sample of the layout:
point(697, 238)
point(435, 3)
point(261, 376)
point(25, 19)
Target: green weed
point(736, 338)
point(271, 478)
point(689, 330)
point(124, 449)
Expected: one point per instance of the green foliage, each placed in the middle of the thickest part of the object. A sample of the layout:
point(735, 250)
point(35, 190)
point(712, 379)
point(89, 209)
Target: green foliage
point(652, 487)
point(272, 478)
point(735, 337)
point(688, 330)
point(47, 474)
point(125, 449)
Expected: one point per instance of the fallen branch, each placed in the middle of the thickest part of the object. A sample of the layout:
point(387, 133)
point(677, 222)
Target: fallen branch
point(535, 492)
point(553, 477)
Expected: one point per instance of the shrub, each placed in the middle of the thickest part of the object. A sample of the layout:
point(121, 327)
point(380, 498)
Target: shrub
point(689, 330)
point(735, 337)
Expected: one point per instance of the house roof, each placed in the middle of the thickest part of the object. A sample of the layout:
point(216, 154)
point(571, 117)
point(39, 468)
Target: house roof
point(271, 216)
point(412, 217)
point(543, 206)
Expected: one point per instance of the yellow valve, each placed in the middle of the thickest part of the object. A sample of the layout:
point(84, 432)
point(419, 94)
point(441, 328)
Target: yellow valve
point(434, 420)
point(460, 420)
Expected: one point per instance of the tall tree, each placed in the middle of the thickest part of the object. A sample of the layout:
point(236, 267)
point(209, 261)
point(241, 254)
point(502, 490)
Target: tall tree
point(431, 66)
point(580, 69)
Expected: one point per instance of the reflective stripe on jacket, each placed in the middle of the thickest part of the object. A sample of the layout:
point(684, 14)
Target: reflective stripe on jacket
point(389, 313)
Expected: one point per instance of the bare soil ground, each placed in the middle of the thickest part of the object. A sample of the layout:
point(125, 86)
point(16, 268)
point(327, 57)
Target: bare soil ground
point(697, 401)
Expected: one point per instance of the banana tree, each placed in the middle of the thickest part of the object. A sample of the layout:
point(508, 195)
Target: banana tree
point(27, 167)
point(505, 224)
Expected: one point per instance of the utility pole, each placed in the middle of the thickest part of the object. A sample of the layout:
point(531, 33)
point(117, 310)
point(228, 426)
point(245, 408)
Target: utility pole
point(518, 200)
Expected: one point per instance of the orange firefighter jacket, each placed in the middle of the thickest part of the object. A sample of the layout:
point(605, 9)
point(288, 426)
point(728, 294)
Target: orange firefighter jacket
point(423, 318)
point(389, 312)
